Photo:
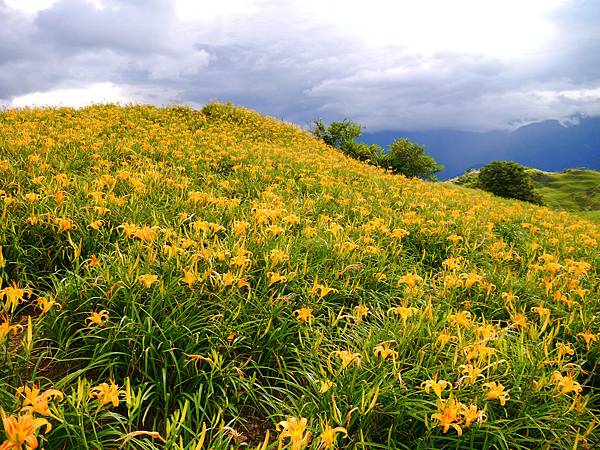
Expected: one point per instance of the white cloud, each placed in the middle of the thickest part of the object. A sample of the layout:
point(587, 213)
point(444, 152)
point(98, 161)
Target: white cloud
point(577, 95)
point(75, 97)
point(504, 29)
point(209, 11)
point(32, 7)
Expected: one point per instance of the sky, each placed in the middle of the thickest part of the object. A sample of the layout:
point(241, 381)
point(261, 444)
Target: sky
point(472, 65)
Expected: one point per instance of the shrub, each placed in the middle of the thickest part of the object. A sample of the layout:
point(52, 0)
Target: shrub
point(337, 134)
point(409, 159)
point(403, 156)
point(508, 179)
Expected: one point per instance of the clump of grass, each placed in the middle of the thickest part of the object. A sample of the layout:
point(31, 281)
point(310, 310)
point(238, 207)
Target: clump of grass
point(189, 279)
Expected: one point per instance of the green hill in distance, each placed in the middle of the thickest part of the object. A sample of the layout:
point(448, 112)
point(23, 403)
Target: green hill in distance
point(574, 190)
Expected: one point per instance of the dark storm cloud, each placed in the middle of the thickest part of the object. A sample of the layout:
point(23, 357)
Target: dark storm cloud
point(132, 27)
point(576, 55)
point(284, 63)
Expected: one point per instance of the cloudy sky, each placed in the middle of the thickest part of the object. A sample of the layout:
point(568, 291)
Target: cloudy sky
point(388, 64)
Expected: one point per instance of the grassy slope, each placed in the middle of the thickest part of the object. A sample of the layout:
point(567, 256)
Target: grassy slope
point(572, 190)
point(246, 273)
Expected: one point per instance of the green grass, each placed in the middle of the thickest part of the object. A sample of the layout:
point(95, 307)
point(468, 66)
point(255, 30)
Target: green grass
point(571, 190)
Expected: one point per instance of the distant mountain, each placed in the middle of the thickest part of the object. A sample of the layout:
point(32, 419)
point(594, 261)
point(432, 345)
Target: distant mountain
point(548, 145)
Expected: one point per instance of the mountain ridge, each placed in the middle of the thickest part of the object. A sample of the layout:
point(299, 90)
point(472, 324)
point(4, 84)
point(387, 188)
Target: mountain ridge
point(548, 145)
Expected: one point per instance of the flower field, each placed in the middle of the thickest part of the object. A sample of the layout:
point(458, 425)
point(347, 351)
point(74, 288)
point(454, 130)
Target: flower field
point(185, 279)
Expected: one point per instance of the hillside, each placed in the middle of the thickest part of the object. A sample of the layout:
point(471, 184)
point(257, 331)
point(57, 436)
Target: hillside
point(180, 279)
point(571, 190)
point(574, 190)
point(547, 145)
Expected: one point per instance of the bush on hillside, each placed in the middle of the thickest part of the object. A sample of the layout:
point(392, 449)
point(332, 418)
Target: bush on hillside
point(337, 134)
point(508, 179)
point(403, 156)
point(409, 159)
point(468, 179)
point(372, 153)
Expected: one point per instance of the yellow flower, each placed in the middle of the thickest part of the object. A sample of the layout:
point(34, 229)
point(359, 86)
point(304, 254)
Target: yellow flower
point(380, 276)
point(304, 314)
point(455, 239)
point(146, 234)
point(541, 311)
point(565, 384)
point(275, 277)
point(360, 313)
point(472, 414)
point(520, 321)
point(328, 435)
point(411, 280)
point(291, 219)
point(335, 229)
point(448, 415)
point(189, 277)
point(107, 393)
point(277, 257)
point(21, 431)
point(64, 224)
point(31, 197)
point(470, 373)
point(564, 349)
point(480, 351)
point(227, 279)
point(405, 312)
point(243, 282)
point(444, 338)
point(239, 228)
point(309, 232)
point(383, 350)
point(95, 225)
point(486, 331)
point(36, 402)
point(462, 319)
point(13, 295)
point(509, 298)
point(129, 229)
point(581, 292)
point(294, 429)
point(147, 280)
point(436, 386)
point(347, 358)
point(325, 385)
point(399, 233)
point(496, 390)
point(45, 303)
point(452, 263)
point(471, 279)
point(94, 261)
point(589, 338)
point(321, 289)
point(97, 318)
point(6, 328)
point(240, 261)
